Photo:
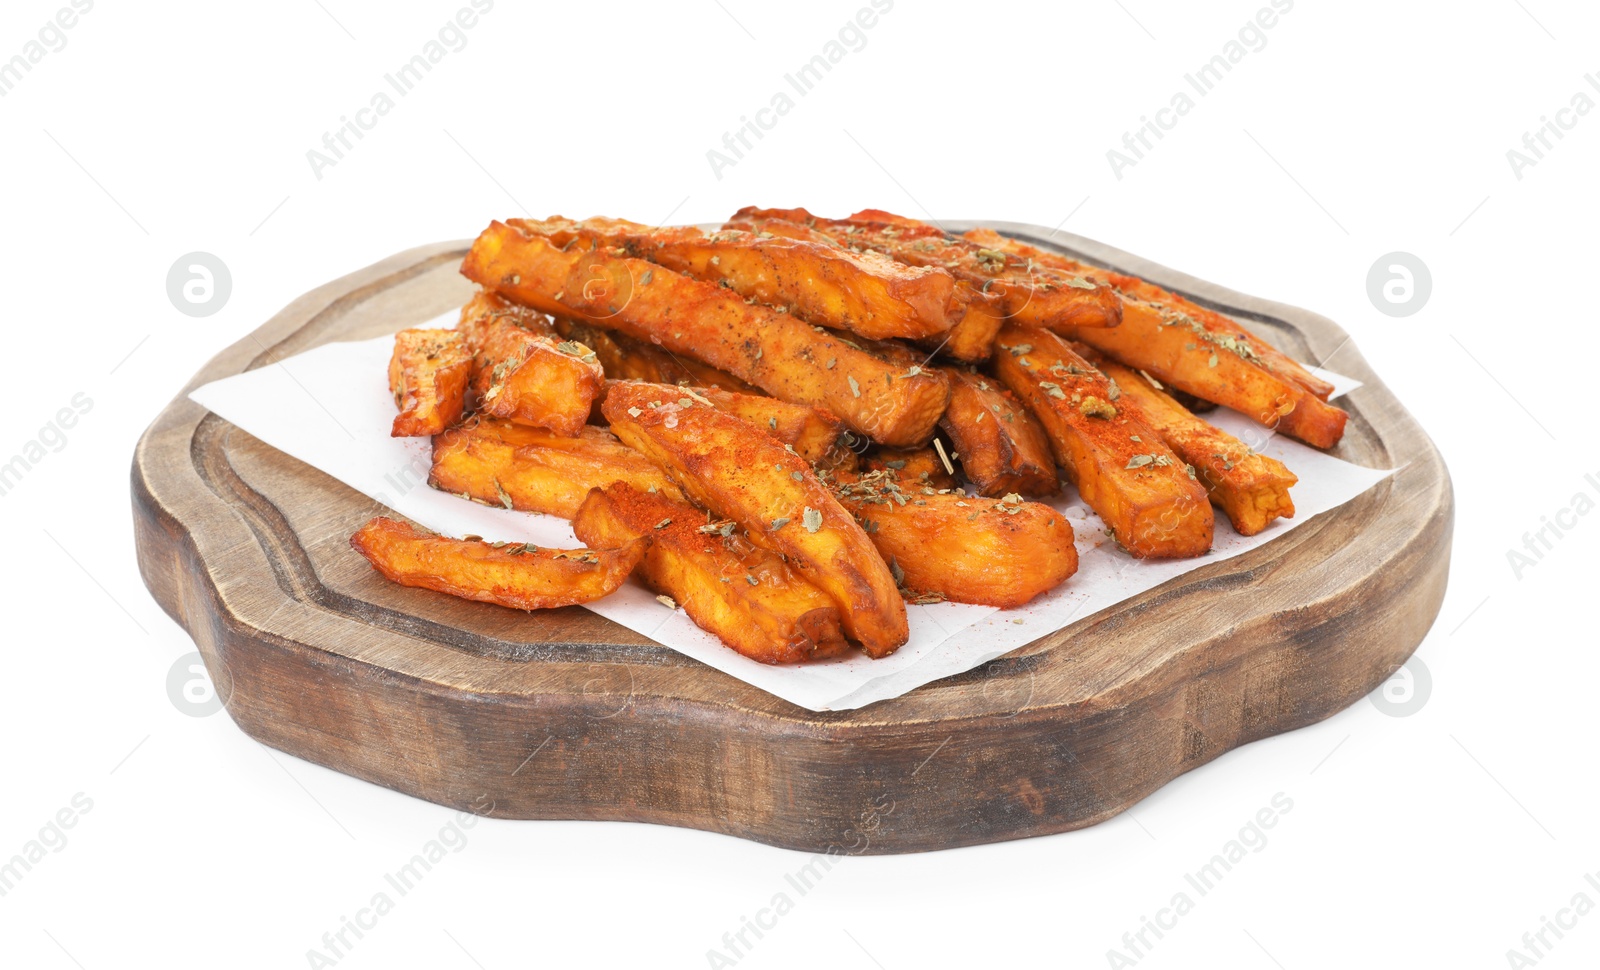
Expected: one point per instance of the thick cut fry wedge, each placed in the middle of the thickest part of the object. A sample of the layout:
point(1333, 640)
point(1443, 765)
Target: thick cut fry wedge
point(1171, 304)
point(515, 575)
point(1029, 294)
point(999, 442)
point(745, 595)
point(866, 293)
point(1169, 350)
point(534, 378)
point(626, 359)
point(1250, 489)
point(738, 471)
point(1203, 353)
point(947, 545)
point(1218, 328)
point(428, 376)
point(518, 467)
point(523, 267)
point(1124, 471)
point(774, 351)
point(812, 433)
point(977, 313)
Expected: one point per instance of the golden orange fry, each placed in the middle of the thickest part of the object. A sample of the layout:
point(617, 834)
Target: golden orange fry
point(813, 434)
point(509, 574)
point(1204, 354)
point(1251, 489)
point(745, 595)
point(428, 375)
point(1170, 304)
point(738, 471)
point(1001, 445)
point(535, 378)
point(821, 281)
point(1147, 496)
point(1030, 294)
point(531, 470)
point(944, 544)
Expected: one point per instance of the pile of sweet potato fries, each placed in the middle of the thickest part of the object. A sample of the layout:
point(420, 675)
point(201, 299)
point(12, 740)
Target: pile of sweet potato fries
point(793, 426)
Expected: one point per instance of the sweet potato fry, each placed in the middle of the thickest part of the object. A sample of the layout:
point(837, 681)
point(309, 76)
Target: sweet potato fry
point(772, 350)
point(1219, 328)
point(947, 545)
point(1202, 353)
point(813, 433)
point(821, 281)
point(1171, 304)
point(534, 378)
point(745, 595)
point(428, 376)
point(523, 468)
point(522, 267)
point(1001, 446)
point(516, 575)
point(977, 313)
point(1251, 489)
point(735, 469)
point(1029, 294)
point(1146, 495)
point(1222, 370)
point(624, 358)
point(866, 293)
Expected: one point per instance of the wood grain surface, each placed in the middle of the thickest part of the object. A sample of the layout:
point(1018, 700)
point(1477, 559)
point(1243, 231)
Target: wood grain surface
point(563, 714)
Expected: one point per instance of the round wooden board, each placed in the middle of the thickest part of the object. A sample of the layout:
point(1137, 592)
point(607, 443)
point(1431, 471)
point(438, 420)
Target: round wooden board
point(563, 714)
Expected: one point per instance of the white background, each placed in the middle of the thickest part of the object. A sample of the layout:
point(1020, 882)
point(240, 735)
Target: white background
point(1361, 128)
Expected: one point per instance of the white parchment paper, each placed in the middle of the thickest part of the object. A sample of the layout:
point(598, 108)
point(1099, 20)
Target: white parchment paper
point(330, 407)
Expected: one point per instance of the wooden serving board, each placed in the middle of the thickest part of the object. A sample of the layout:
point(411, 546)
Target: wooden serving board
point(563, 714)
